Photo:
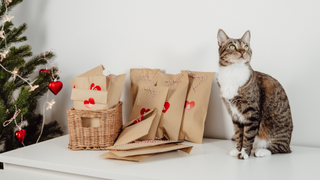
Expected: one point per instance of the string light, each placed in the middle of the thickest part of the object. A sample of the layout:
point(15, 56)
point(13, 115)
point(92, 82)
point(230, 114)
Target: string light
point(15, 73)
point(4, 55)
point(8, 2)
point(2, 34)
point(50, 104)
point(7, 18)
point(33, 88)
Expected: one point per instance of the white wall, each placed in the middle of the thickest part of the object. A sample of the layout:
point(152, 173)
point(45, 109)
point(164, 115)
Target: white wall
point(181, 34)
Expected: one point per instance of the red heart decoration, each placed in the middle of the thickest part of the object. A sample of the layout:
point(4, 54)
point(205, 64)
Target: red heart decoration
point(20, 135)
point(96, 88)
point(139, 119)
point(46, 71)
point(166, 107)
point(189, 105)
point(143, 110)
point(74, 86)
point(55, 87)
point(89, 103)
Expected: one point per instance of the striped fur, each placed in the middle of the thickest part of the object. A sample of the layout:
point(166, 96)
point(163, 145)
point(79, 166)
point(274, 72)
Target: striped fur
point(259, 107)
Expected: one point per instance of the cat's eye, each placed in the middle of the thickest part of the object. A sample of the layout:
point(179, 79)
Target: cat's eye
point(232, 47)
point(246, 47)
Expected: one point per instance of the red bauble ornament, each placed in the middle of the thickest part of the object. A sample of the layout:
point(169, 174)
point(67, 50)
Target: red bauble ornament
point(20, 135)
point(55, 87)
point(47, 71)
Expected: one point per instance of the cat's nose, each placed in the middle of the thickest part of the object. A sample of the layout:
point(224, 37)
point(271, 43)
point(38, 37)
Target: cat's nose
point(241, 52)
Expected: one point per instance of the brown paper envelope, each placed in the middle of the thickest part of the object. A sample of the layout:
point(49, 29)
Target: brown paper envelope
point(100, 97)
point(80, 105)
point(142, 76)
point(91, 83)
point(116, 88)
point(97, 71)
point(110, 155)
point(197, 101)
point(136, 131)
point(173, 109)
point(145, 116)
point(152, 150)
point(138, 145)
point(144, 101)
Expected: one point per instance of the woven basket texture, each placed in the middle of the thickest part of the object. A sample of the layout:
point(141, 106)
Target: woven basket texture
point(94, 138)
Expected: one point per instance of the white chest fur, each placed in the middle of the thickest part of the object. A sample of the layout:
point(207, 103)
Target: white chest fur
point(231, 78)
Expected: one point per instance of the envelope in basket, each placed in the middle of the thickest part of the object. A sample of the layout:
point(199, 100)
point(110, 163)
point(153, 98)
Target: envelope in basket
point(89, 100)
point(97, 71)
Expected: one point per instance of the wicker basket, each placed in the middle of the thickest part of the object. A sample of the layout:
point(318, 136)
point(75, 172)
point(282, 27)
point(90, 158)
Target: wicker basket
point(94, 138)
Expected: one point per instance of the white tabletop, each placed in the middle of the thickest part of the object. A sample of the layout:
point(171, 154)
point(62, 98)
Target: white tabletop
point(209, 160)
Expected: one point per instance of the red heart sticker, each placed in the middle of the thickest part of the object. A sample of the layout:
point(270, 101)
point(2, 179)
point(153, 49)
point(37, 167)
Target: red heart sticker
point(96, 88)
point(166, 107)
point(189, 105)
point(74, 86)
point(143, 110)
point(89, 103)
point(139, 119)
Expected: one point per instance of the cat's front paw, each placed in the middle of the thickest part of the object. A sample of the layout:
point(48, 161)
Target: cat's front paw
point(262, 152)
point(243, 154)
point(234, 152)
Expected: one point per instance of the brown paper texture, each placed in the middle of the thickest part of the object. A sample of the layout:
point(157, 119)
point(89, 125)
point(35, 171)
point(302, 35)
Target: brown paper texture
point(141, 144)
point(150, 97)
point(136, 131)
point(97, 71)
point(89, 100)
point(173, 109)
point(115, 88)
point(139, 118)
point(95, 80)
point(97, 83)
point(143, 76)
point(196, 107)
point(153, 150)
point(110, 155)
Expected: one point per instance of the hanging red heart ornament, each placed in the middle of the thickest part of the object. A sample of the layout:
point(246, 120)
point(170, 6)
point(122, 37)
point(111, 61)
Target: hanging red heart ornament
point(46, 71)
point(20, 135)
point(55, 87)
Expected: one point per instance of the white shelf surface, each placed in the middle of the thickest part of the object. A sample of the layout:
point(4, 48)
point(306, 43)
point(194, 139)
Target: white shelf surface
point(210, 160)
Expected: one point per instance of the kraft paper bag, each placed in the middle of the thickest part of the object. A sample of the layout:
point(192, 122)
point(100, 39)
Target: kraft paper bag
point(136, 131)
point(110, 155)
point(139, 118)
point(173, 109)
point(89, 100)
point(142, 144)
point(115, 84)
point(196, 106)
point(154, 149)
point(97, 71)
point(97, 83)
point(149, 97)
point(143, 76)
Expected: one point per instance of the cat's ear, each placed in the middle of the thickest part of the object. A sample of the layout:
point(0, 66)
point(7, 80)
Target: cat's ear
point(246, 37)
point(222, 37)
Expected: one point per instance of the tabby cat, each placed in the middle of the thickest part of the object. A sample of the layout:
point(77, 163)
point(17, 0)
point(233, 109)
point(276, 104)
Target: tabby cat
point(257, 102)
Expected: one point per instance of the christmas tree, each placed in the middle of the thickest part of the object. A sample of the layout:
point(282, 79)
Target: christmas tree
point(19, 95)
